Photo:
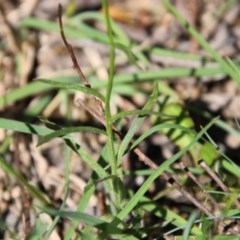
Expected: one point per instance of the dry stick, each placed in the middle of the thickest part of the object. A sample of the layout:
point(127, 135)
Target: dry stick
point(190, 175)
point(216, 179)
point(213, 175)
point(172, 179)
point(70, 50)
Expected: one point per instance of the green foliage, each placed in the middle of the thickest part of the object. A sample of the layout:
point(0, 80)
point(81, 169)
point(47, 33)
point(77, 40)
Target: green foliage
point(168, 116)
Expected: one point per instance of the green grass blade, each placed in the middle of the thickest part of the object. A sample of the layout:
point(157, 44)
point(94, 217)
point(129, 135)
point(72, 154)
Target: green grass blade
point(38, 107)
point(68, 130)
point(85, 218)
point(152, 75)
point(71, 31)
point(158, 128)
point(73, 86)
point(88, 191)
point(136, 125)
point(227, 68)
point(32, 89)
point(39, 24)
point(37, 87)
point(108, 115)
point(119, 34)
point(23, 127)
point(189, 226)
point(124, 114)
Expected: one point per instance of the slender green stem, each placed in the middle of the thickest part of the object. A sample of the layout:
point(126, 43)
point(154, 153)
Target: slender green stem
point(109, 89)
point(112, 155)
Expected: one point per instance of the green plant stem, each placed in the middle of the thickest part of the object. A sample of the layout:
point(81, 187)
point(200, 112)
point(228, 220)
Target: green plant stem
point(112, 155)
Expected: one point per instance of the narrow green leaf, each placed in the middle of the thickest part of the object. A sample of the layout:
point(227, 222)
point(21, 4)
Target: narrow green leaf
point(189, 226)
point(37, 87)
point(73, 86)
point(23, 127)
point(227, 68)
point(157, 128)
point(66, 131)
point(31, 89)
point(136, 125)
point(85, 218)
point(124, 114)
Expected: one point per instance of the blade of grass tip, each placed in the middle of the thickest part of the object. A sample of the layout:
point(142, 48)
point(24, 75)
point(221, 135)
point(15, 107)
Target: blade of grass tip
point(136, 124)
point(190, 224)
point(163, 167)
point(231, 167)
point(202, 41)
point(130, 55)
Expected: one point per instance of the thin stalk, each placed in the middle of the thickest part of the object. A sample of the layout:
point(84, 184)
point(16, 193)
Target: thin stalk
point(118, 191)
point(112, 156)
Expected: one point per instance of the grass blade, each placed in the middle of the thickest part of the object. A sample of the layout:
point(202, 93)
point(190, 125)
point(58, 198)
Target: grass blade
point(225, 65)
point(66, 131)
point(136, 125)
